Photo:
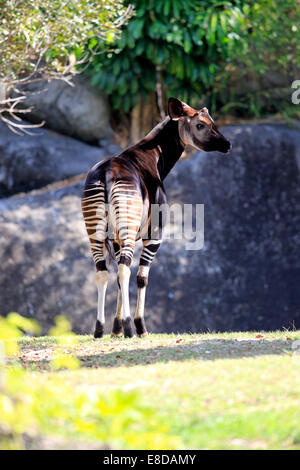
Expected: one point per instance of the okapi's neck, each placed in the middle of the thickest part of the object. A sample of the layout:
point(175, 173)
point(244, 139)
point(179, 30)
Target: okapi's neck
point(164, 139)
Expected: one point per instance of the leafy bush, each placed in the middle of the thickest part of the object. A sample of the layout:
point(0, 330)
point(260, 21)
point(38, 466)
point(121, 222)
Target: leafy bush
point(46, 40)
point(267, 63)
point(51, 29)
point(200, 50)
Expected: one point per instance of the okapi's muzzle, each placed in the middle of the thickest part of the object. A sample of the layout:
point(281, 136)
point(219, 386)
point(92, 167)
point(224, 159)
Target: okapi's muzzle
point(223, 145)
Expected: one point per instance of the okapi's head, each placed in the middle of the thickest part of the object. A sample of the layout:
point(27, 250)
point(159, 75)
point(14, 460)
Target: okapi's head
point(197, 128)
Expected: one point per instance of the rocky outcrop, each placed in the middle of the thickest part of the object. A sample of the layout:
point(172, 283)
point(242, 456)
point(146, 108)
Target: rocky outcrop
point(80, 111)
point(246, 277)
point(46, 264)
point(31, 161)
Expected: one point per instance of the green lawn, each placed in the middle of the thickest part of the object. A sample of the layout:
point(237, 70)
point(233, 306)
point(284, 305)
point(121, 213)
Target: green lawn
point(207, 391)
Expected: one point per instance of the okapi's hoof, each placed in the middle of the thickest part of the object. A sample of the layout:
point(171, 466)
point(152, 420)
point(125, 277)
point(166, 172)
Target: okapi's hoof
point(127, 327)
point(140, 327)
point(117, 329)
point(99, 330)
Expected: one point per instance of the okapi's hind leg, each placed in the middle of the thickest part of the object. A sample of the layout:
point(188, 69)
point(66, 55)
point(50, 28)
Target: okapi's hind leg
point(101, 281)
point(149, 250)
point(126, 213)
point(122, 321)
point(124, 277)
point(95, 217)
point(117, 329)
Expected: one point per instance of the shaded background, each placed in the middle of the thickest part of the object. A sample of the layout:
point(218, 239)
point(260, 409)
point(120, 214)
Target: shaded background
point(238, 58)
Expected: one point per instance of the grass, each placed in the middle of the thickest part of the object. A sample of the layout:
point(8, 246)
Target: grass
point(213, 391)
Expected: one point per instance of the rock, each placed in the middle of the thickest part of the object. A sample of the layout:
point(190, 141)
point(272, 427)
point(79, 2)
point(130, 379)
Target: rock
point(30, 162)
point(80, 111)
point(48, 270)
point(246, 277)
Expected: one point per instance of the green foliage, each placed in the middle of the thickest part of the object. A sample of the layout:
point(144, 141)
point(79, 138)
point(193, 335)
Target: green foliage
point(31, 407)
point(12, 327)
point(51, 28)
point(269, 59)
point(203, 49)
point(207, 391)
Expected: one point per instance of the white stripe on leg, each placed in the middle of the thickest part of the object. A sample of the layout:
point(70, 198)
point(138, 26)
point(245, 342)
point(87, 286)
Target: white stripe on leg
point(140, 306)
point(101, 280)
point(124, 276)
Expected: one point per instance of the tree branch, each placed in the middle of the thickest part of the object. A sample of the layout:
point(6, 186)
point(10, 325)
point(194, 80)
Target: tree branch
point(13, 85)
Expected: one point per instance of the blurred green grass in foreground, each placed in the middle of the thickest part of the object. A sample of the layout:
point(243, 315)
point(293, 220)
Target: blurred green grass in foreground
point(209, 391)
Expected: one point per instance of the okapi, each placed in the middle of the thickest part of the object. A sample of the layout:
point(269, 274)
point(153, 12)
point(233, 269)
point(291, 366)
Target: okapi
point(118, 196)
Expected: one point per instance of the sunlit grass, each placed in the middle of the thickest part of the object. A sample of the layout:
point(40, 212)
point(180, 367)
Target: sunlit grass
point(213, 391)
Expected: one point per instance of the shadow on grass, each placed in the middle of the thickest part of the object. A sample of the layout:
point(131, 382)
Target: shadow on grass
point(118, 353)
point(206, 350)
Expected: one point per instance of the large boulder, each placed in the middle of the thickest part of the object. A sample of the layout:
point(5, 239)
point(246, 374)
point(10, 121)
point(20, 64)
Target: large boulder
point(45, 253)
point(32, 161)
point(248, 274)
point(80, 111)
point(246, 277)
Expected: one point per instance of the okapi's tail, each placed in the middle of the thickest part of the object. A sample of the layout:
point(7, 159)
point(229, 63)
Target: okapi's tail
point(110, 250)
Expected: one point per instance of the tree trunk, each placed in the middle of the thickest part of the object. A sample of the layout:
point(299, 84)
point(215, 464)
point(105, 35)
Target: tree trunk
point(143, 118)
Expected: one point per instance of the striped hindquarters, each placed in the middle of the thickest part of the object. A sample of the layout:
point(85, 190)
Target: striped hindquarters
point(95, 217)
point(125, 216)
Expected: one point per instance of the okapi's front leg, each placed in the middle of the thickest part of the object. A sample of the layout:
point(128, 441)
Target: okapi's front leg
point(149, 250)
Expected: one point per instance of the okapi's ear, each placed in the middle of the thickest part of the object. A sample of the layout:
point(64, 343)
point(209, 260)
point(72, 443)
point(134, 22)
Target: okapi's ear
point(177, 109)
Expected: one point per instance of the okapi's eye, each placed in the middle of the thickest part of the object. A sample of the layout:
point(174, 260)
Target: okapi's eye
point(200, 126)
